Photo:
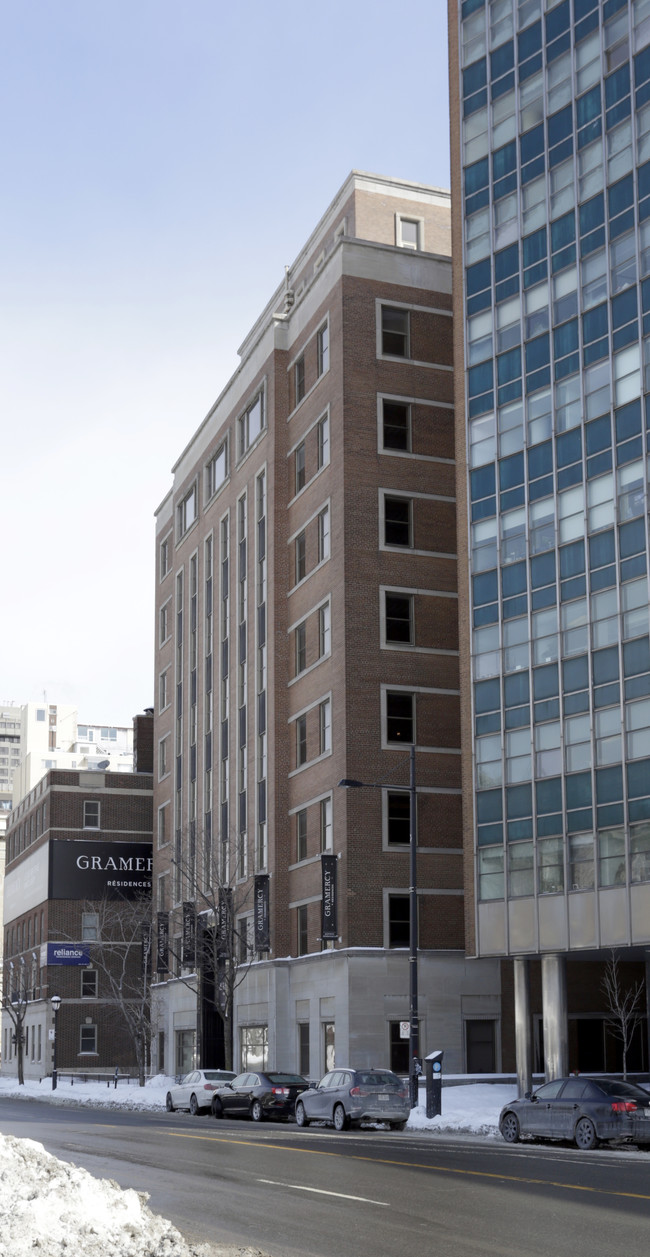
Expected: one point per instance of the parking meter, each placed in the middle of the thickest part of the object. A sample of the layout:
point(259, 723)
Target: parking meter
point(433, 1071)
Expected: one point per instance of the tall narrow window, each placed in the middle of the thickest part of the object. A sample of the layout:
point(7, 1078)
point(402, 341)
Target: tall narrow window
point(301, 556)
point(301, 741)
point(323, 442)
point(323, 349)
point(396, 425)
point(324, 630)
point(300, 467)
point(301, 834)
point(399, 717)
point(397, 522)
point(398, 815)
point(299, 379)
point(399, 918)
point(187, 511)
point(326, 824)
point(91, 814)
point(301, 648)
point(303, 940)
point(325, 726)
point(399, 618)
point(324, 535)
point(394, 332)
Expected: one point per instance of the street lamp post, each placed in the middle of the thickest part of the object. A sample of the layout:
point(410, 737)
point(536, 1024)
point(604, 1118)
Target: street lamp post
point(414, 1024)
point(56, 1004)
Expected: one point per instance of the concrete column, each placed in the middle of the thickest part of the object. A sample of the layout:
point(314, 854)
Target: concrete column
point(523, 1027)
point(554, 1010)
point(647, 1007)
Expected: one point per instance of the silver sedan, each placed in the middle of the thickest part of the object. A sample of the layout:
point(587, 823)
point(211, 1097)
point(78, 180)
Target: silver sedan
point(194, 1091)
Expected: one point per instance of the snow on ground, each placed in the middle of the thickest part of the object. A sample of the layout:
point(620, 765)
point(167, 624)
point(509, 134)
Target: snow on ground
point(55, 1207)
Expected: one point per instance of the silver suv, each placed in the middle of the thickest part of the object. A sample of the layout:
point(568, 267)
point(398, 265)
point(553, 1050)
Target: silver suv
point(347, 1096)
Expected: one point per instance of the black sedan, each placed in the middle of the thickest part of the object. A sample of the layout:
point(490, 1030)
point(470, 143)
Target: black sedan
point(258, 1096)
point(585, 1110)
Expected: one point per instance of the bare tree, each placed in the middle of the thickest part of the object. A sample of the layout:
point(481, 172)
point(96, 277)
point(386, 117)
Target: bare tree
point(122, 956)
point(18, 992)
point(210, 940)
point(625, 1005)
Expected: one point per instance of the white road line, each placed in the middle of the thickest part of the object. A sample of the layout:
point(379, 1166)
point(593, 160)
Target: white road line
point(321, 1192)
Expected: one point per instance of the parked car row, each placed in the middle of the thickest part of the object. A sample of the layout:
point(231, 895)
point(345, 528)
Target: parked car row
point(584, 1110)
point(344, 1097)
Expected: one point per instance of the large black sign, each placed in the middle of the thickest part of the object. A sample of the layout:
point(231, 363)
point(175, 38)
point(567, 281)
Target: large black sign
point(162, 943)
point(329, 907)
point(261, 913)
point(189, 936)
point(99, 870)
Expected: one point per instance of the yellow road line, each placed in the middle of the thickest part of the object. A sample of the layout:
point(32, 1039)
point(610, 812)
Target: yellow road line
point(414, 1165)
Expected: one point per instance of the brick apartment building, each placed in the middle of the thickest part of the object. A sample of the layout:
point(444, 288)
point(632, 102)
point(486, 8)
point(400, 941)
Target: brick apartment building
point(307, 632)
point(78, 848)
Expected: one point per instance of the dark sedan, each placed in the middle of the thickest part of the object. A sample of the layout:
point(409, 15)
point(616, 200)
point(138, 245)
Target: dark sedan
point(585, 1110)
point(258, 1096)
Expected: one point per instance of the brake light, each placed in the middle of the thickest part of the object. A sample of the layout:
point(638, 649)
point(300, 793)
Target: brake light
point(208, 1086)
point(280, 1091)
point(404, 1094)
point(624, 1106)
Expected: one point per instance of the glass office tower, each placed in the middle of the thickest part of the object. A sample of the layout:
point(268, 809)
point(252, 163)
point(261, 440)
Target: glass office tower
point(550, 119)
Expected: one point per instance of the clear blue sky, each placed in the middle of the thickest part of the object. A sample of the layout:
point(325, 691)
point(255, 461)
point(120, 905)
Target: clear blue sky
point(161, 163)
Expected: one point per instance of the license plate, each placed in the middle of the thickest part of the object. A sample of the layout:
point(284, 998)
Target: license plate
point(383, 1096)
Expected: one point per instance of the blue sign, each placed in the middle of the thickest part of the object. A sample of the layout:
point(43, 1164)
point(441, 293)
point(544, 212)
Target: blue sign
point(68, 954)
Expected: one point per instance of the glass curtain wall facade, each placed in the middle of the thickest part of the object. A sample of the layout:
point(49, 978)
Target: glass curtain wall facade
point(551, 119)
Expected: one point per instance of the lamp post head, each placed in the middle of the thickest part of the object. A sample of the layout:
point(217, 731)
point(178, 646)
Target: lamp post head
point(349, 784)
point(56, 1002)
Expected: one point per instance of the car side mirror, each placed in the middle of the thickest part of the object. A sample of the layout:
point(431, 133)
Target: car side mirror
point(528, 1095)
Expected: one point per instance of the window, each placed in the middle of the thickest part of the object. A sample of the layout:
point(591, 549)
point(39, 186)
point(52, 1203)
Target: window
point(324, 535)
point(301, 648)
point(407, 232)
point(300, 467)
point(324, 630)
point(323, 349)
point(301, 556)
point(399, 618)
point(398, 811)
point(88, 1040)
point(89, 927)
point(394, 332)
point(165, 622)
point(164, 765)
point(396, 418)
point(165, 562)
point(325, 726)
point(163, 836)
point(303, 1048)
point(254, 1047)
point(323, 442)
point(301, 834)
point(301, 741)
point(89, 983)
point(251, 424)
point(399, 921)
point(299, 378)
point(164, 696)
point(397, 522)
point(399, 717)
point(303, 939)
point(186, 511)
point(91, 814)
point(216, 471)
point(326, 824)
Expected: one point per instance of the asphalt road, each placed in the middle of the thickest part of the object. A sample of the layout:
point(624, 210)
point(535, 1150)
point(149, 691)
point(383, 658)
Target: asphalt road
point(313, 1193)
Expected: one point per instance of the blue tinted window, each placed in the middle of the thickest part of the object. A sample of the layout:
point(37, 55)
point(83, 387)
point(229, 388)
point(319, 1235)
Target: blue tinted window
point(487, 695)
point(620, 196)
point(474, 77)
point(592, 214)
point(540, 460)
point(628, 420)
point(529, 41)
point(604, 665)
point(563, 231)
point(568, 447)
point(479, 276)
point(624, 309)
point(538, 353)
point(489, 805)
point(506, 262)
point(631, 538)
point(531, 144)
point(477, 176)
point(588, 106)
point(502, 59)
point(542, 569)
point(504, 160)
point(559, 125)
point(513, 579)
point(565, 339)
point(617, 85)
point(598, 434)
point(595, 323)
point(572, 559)
point(638, 778)
point(519, 801)
point(516, 689)
point(575, 674)
point(511, 471)
point(483, 481)
point(609, 784)
point(548, 795)
point(578, 790)
point(485, 588)
point(602, 549)
point(636, 657)
point(509, 367)
point(535, 247)
point(479, 378)
point(545, 681)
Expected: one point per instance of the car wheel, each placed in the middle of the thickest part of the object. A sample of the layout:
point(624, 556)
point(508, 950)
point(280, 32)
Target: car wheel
point(585, 1134)
point(397, 1125)
point(301, 1116)
point(257, 1112)
point(340, 1118)
point(194, 1105)
point(169, 1103)
point(510, 1128)
point(217, 1108)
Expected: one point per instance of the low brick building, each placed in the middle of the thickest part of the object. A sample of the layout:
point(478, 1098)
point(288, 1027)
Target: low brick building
point(77, 884)
point(307, 632)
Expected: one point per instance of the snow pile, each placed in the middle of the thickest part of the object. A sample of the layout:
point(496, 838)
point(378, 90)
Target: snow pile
point(56, 1208)
point(471, 1110)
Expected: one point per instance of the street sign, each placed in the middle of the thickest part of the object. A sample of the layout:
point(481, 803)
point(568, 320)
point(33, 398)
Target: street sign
point(404, 1029)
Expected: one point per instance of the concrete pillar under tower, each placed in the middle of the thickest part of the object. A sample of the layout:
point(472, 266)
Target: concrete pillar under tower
point(554, 1011)
point(523, 1028)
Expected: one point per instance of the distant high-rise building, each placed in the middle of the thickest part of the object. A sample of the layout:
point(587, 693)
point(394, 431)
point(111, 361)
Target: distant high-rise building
point(550, 127)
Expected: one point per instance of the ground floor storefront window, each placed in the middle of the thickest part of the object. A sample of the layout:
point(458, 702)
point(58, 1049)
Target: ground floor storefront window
point(254, 1047)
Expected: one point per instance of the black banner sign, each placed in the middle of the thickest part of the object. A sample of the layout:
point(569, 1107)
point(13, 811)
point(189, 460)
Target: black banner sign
point(162, 943)
point(329, 907)
point(96, 869)
point(146, 951)
point(189, 936)
point(224, 921)
point(261, 913)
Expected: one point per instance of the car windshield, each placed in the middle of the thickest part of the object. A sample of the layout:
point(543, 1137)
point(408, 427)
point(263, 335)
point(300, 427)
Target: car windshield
point(217, 1075)
point(376, 1079)
point(285, 1080)
point(611, 1088)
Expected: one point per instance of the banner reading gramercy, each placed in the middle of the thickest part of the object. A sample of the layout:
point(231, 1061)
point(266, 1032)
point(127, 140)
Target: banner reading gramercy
point(329, 913)
point(261, 913)
point(95, 869)
point(189, 935)
point(162, 943)
point(146, 951)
